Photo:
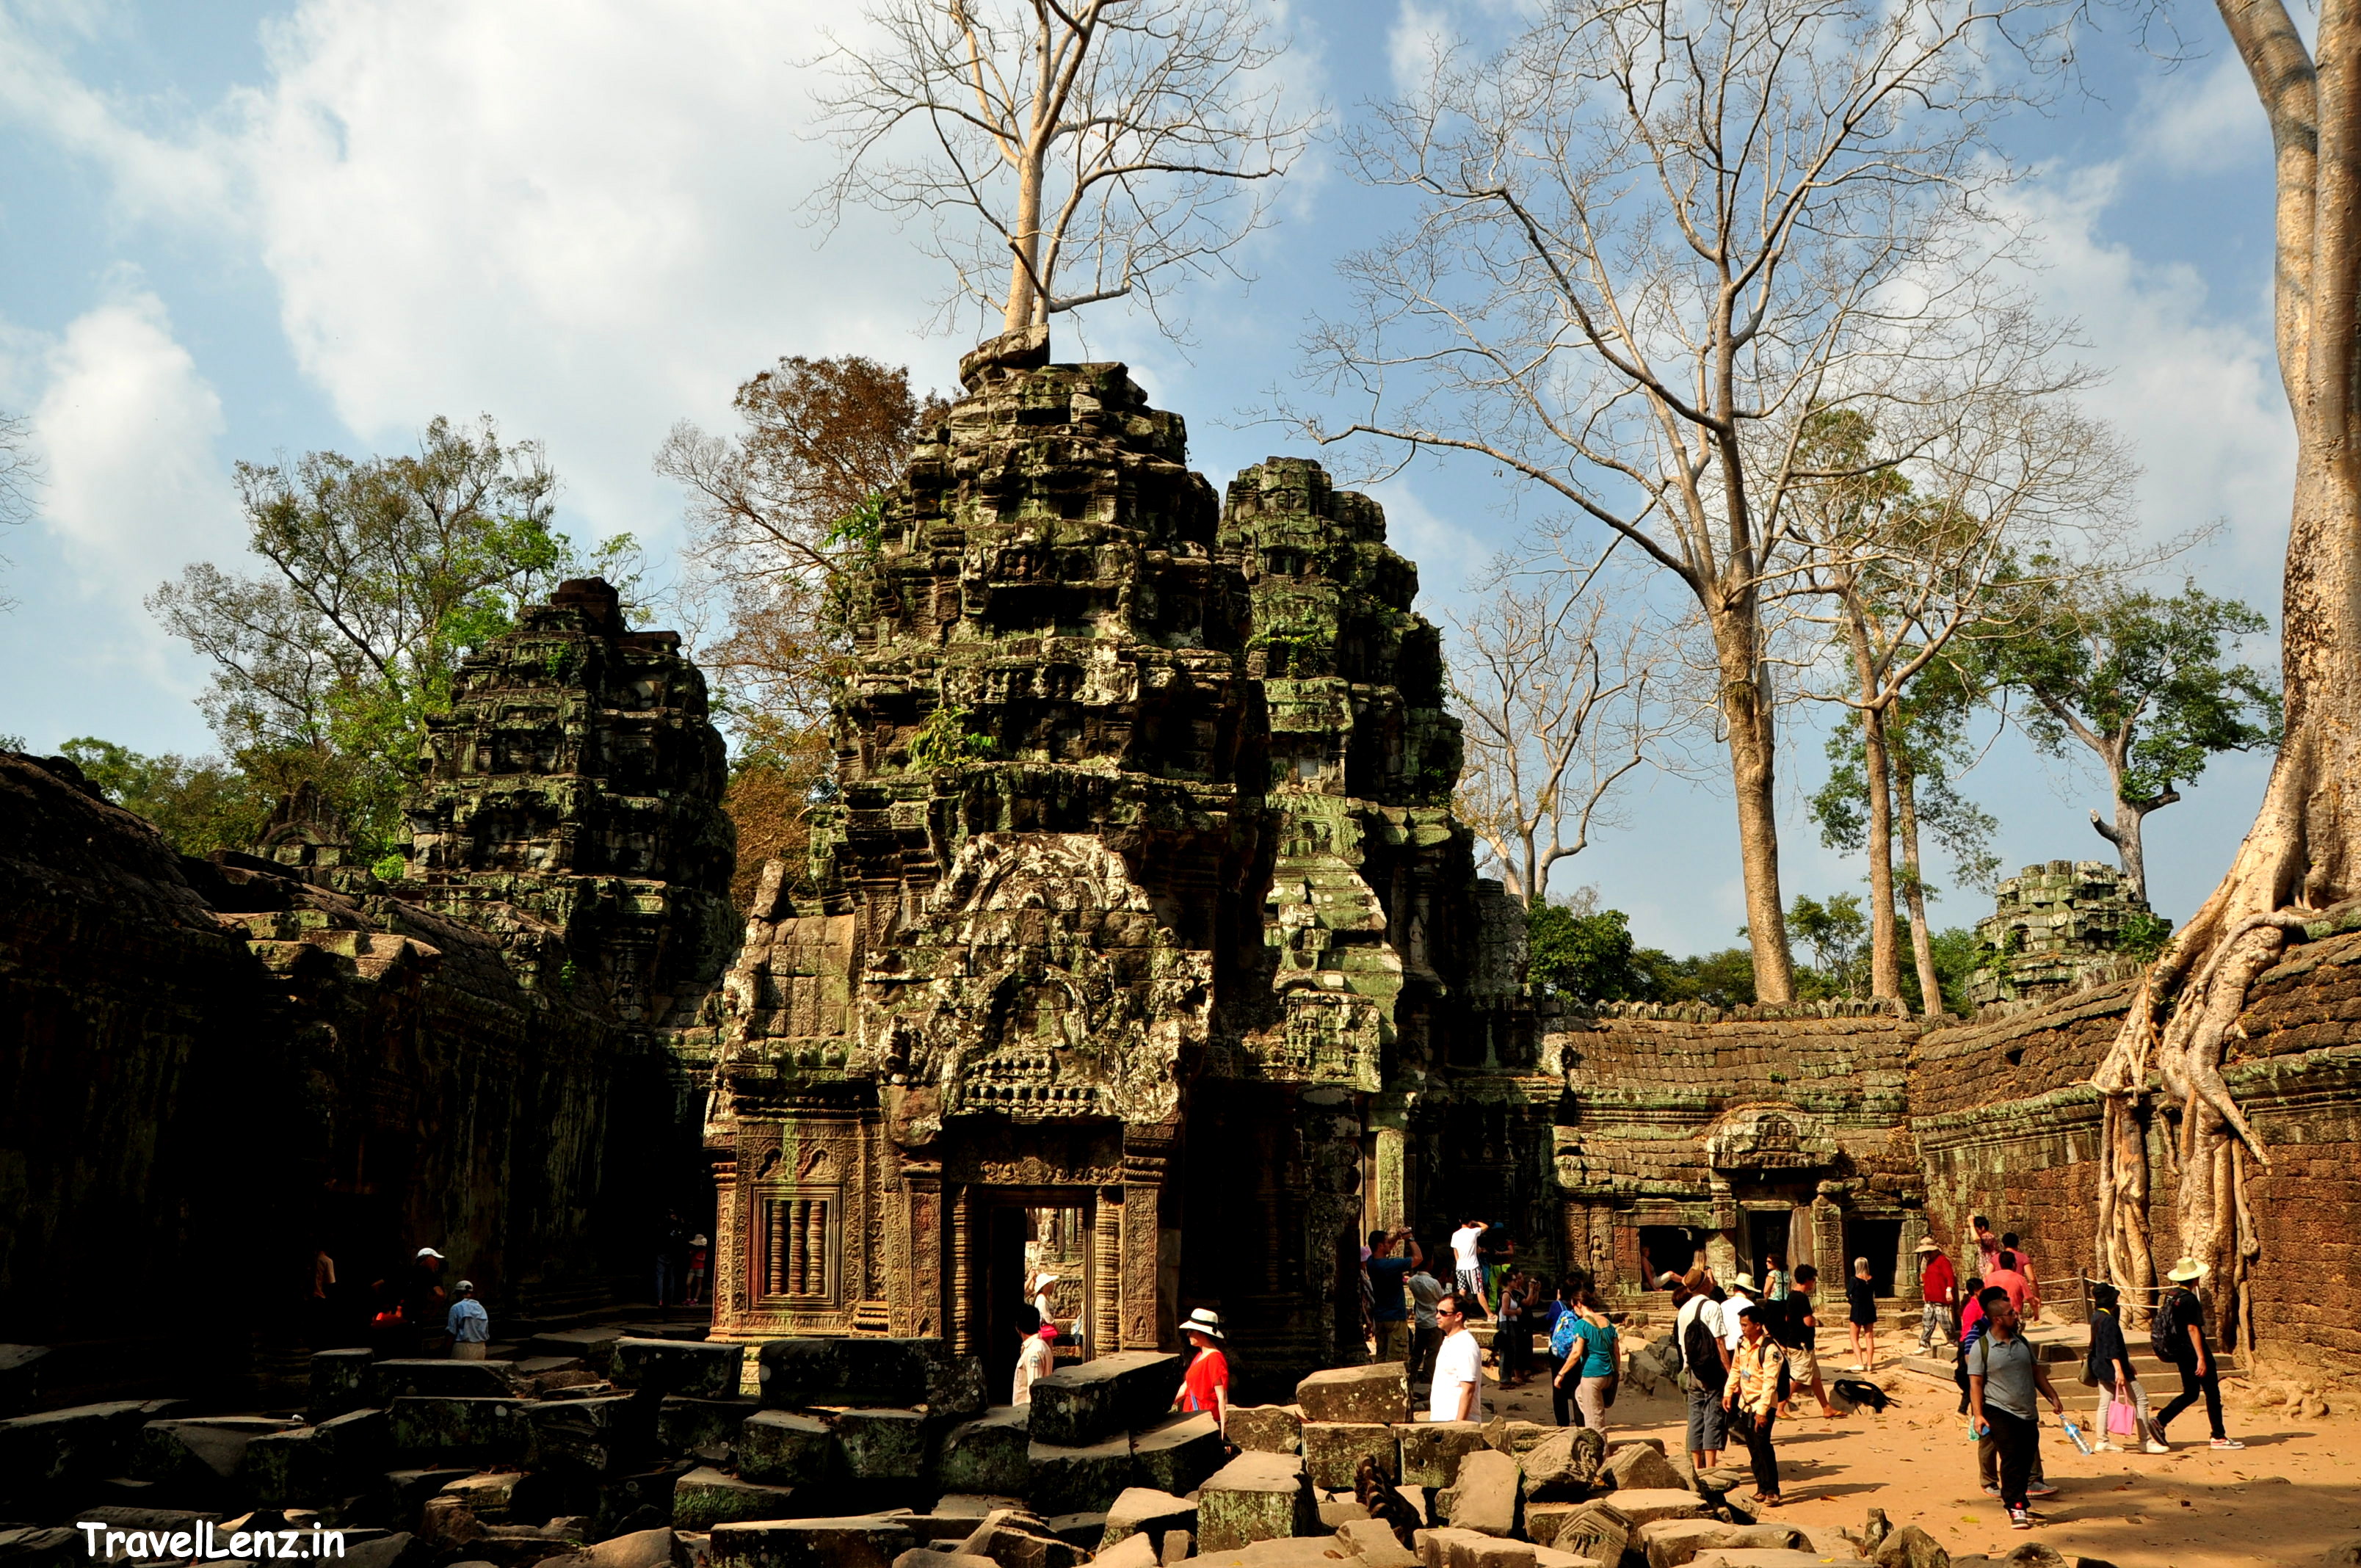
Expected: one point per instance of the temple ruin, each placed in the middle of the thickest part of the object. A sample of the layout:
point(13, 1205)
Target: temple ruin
point(1138, 945)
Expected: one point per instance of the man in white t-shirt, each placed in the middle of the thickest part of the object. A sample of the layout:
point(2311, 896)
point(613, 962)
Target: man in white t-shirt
point(1458, 1392)
point(1464, 1259)
point(1035, 1359)
point(1740, 1289)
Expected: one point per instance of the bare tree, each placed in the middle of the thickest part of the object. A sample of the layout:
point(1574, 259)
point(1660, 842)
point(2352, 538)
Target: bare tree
point(1922, 537)
point(2302, 856)
point(20, 477)
point(1651, 241)
point(1111, 140)
point(1558, 691)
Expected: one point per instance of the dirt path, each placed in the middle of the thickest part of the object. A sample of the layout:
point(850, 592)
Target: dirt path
point(2293, 1493)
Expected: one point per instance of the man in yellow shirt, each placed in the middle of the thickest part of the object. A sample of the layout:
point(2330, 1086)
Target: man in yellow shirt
point(1752, 1398)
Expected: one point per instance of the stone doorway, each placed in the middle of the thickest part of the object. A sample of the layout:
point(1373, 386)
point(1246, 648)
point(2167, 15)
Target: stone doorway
point(1766, 1234)
point(1879, 1241)
point(1028, 1232)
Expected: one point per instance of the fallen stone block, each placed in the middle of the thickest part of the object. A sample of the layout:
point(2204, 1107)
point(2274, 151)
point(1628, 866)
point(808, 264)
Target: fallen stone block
point(356, 1445)
point(1770, 1557)
point(1484, 1496)
point(20, 1376)
point(1644, 1505)
point(2034, 1555)
point(1544, 1521)
point(487, 1494)
point(1079, 1530)
point(339, 1381)
point(686, 1424)
point(1359, 1395)
point(1670, 1543)
point(289, 1469)
point(623, 1505)
point(1430, 1450)
point(1333, 1513)
point(928, 1557)
point(1178, 1548)
point(988, 1454)
point(1145, 1510)
point(700, 1369)
point(860, 1370)
point(882, 1444)
point(1454, 1546)
point(1132, 1551)
point(638, 1549)
point(479, 1430)
point(866, 1540)
point(785, 1450)
point(1306, 1552)
point(1177, 1454)
point(1550, 1557)
point(1910, 1547)
point(1077, 1406)
point(31, 1546)
point(1600, 1530)
point(1256, 1497)
point(1374, 1543)
point(594, 1348)
point(198, 1458)
point(705, 1496)
point(430, 1378)
point(1267, 1428)
point(595, 1437)
point(1562, 1465)
point(1333, 1452)
point(1019, 1539)
point(1638, 1468)
point(1077, 1478)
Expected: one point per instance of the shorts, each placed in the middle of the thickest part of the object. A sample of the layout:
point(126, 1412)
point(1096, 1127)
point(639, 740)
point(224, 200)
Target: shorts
point(1471, 1280)
point(1803, 1365)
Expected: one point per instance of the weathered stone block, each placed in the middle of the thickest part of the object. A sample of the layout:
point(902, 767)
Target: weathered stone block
point(1484, 1496)
point(627, 1503)
point(1131, 1552)
point(596, 1437)
point(1600, 1531)
point(684, 1424)
point(1374, 1543)
point(1357, 1395)
point(1544, 1521)
point(594, 1348)
point(1145, 1510)
point(988, 1455)
point(477, 1429)
point(1563, 1464)
point(867, 1540)
point(882, 1444)
point(701, 1369)
point(1639, 1468)
point(340, 1382)
point(1670, 1543)
point(706, 1497)
point(1910, 1547)
point(1644, 1505)
point(1075, 1478)
point(1079, 1404)
point(1267, 1428)
point(355, 1444)
point(430, 1378)
point(1456, 1546)
point(1176, 1455)
point(1770, 1557)
point(787, 1450)
point(487, 1494)
point(1430, 1450)
point(198, 1458)
point(1333, 1452)
point(69, 1448)
point(1256, 1497)
point(860, 1370)
point(286, 1470)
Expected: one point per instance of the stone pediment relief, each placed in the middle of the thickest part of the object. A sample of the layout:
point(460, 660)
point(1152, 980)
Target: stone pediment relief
point(1769, 1137)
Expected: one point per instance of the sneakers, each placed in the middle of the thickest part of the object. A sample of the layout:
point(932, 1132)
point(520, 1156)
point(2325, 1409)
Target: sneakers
point(2156, 1428)
point(2019, 1519)
point(2103, 1446)
point(2227, 1442)
point(1992, 1491)
point(2155, 1447)
point(2040, 1489)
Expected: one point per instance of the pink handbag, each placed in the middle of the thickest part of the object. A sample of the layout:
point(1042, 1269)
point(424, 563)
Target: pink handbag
point(2121, 1420)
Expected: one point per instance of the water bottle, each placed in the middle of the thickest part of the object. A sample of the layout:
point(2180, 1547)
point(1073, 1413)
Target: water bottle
point(2075, 1432)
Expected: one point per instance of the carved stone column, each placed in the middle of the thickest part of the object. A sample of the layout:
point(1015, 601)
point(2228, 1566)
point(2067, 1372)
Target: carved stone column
point(966, 1334)
point(729, 1279)
point(1144, 1170)
point(920, 1313)
point(1107, 1273)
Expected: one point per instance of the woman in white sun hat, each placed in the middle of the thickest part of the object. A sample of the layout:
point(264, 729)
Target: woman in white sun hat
point(2179, 1338)
point(1206, 1385)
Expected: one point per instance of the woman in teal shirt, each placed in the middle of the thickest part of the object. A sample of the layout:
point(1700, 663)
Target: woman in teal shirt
point(1588, 1359)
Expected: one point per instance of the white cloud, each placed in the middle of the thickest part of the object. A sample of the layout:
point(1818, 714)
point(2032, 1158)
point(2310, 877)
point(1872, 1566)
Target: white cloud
point(2202, 119)
point(126, 428)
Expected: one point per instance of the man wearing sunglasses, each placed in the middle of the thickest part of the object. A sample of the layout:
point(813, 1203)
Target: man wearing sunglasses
point(1457, 1394)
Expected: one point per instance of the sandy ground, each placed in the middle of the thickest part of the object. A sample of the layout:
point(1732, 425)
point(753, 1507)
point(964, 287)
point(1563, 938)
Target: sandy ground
point(2293, 1493)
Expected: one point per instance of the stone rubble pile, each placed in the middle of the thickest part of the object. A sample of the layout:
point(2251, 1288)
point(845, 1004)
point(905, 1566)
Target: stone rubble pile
point(593, 1449)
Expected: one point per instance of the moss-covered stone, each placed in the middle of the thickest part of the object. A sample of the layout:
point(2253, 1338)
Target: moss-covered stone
point(1256, 1497)
point(1333, 1452)
point(988, 1455)
point(705, 1496)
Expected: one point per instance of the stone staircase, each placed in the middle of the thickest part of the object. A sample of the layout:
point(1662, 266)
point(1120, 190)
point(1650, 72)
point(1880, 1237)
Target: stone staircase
point(2063, 1348)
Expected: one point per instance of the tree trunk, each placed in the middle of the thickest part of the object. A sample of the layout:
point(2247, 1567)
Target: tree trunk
point(1752, 753)
point(1026, 300)
point(1885, 962)
point(1914, 884)
point(2123, 833)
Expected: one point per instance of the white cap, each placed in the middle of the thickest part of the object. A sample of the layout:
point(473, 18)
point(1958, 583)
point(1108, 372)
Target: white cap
point(465, 1287)
point(428, 1252)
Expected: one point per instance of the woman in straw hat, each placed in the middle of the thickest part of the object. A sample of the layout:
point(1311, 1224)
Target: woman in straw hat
point(1206, 1385)
point(2180, 1339)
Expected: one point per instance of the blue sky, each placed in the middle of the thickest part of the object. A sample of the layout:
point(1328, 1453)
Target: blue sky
point(237, 229)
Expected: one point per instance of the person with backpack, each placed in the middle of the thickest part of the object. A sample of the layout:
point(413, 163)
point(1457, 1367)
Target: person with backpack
point(2109, 1367)
point(2177, 1337)
point(1758, 1383)
point(2005, 1377)
point(1592, 1364)
point(1698, 1329)
point(1566, 1334)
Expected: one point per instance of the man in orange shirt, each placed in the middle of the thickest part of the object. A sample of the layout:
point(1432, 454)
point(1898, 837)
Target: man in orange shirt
point(2007, 1277)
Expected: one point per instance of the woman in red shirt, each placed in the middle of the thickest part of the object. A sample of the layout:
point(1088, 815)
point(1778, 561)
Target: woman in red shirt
point(1206, 1385)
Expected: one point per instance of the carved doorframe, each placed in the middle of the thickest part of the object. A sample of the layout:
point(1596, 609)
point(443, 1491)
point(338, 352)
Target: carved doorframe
point(971, 1264)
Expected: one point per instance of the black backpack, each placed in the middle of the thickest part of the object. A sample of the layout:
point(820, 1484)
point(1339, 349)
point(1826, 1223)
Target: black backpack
point(2166, 1336)
point(1701, 1353)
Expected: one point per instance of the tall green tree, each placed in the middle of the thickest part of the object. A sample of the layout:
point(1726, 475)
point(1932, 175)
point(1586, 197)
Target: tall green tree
point(380, 575)
point(198, 803)
point(2149, 685)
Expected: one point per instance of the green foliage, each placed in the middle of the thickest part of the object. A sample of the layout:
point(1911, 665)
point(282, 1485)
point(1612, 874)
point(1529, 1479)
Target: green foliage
point(1958, 956)
point(1836, 931)
point(2111, 662)
point(381, 576)
point(1585, 955)
point(1927, 748)
point(198, 803)
point(390, 868)
point(1724, 978)
point(944, 740)
point(2144, 936)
